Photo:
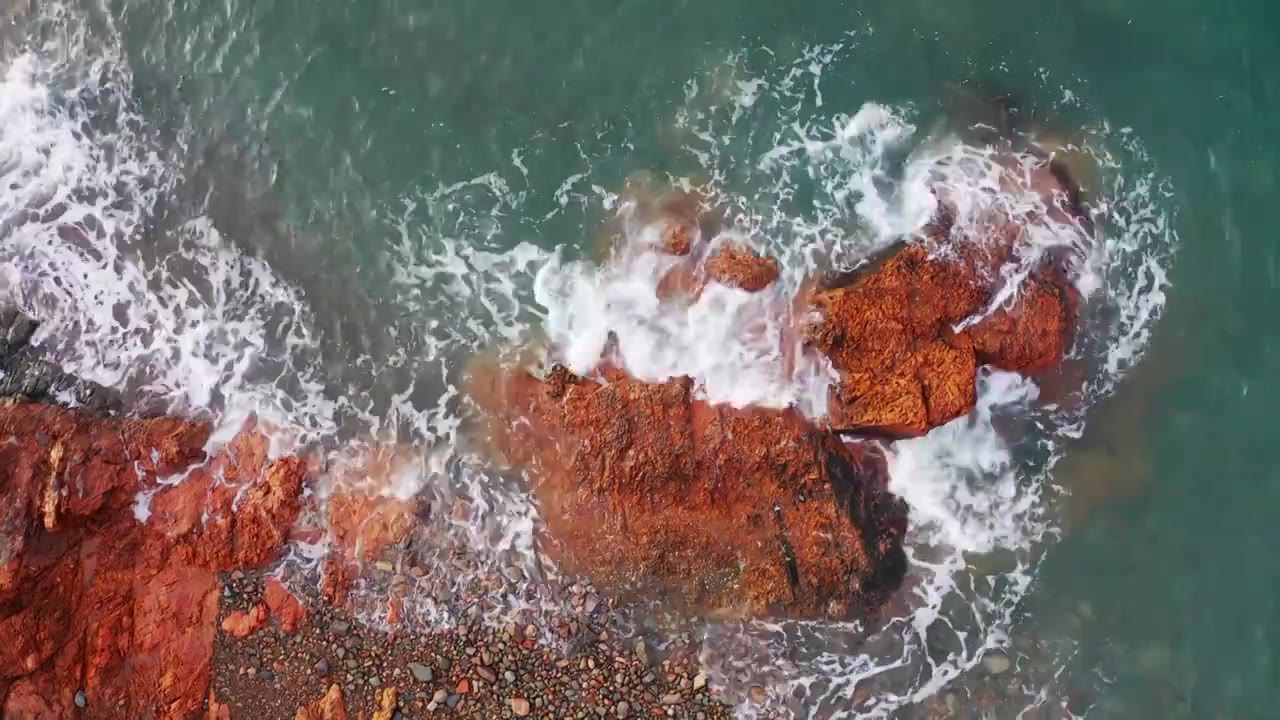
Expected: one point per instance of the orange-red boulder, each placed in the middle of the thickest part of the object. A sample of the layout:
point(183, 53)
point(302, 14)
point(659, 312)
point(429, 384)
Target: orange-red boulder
point(90, 598)
point(284, 607)
point(243, 624)
point(897, 333)
point(328, 707)
point(643, 486)
point(741, 267)
point(904, 368)
point(365, 518)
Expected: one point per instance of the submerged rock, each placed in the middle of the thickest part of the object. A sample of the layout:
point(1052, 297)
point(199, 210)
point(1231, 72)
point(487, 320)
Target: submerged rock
point(24, 374)
point(643, 486)
point(92, 599)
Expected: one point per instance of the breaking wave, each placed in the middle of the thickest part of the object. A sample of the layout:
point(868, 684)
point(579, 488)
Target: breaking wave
point(137, 291)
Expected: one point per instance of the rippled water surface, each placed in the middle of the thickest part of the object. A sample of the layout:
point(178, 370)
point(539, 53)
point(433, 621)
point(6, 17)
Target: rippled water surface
point(318, 212)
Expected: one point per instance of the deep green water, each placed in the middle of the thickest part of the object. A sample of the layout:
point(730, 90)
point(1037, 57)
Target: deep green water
point(316, 121)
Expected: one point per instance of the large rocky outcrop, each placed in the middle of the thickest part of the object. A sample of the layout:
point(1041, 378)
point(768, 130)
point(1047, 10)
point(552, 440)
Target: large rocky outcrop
point(643, 486)
point(92, 600)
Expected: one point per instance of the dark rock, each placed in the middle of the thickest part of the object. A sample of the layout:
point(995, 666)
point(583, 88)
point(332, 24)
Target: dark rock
point(421, 672)
point(23, 373)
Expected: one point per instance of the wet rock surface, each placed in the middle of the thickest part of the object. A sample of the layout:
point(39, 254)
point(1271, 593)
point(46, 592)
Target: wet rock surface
point(25, 374)
point(642, 486)
point(904, 366)
point(908, 333)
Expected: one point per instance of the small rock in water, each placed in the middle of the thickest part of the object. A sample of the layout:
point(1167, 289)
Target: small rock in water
point(81, 699)
point(642, 651)
point(996, 663)
point(421, 672)
point(699, 681)
point(758, 694)
point(520, 706)
point(672, 699)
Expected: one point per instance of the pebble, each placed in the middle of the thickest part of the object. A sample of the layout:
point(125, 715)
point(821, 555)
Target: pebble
point(421, 672)
point(452, 701)
point(486, 673)
point(758, 694)
point(672, 699)
point(700, 681)
point(520, 706)
point(642, 652)
point(321, 667)
point(440, 695)
point(81, 699)
point(339, 627)
point(996, 663)
point(621, 709)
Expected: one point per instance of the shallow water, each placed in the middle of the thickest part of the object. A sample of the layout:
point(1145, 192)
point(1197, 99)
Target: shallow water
point(316, 212)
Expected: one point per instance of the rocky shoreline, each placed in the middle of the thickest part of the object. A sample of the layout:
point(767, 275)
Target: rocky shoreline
point(472, 671)
point(131, 568)
point(173, 618)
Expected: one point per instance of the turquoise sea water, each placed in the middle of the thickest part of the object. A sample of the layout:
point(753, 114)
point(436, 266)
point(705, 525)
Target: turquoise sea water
point(363, 150)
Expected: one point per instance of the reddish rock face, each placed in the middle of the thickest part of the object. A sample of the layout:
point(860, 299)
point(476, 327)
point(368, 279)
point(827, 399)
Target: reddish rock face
point(90, 598)
point(643, 486)
point(903, 367)
point(891, 332)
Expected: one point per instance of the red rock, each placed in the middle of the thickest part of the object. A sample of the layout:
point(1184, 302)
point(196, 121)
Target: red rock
point(464, 687)
point(329, 707)
point(285, 608)
point(741, 268)
point(366, 520)
point(386, 707)
point(92, 599)
point(243, 624)
point(894, 332)
point(643, 487)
